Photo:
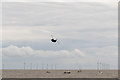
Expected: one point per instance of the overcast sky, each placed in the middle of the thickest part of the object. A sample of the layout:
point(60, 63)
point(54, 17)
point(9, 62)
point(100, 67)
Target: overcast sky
point(87, 32)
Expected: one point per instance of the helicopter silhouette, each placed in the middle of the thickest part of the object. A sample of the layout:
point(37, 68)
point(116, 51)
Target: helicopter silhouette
point(54, 40)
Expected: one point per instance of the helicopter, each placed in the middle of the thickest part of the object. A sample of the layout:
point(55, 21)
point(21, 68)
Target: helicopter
point(54, 40)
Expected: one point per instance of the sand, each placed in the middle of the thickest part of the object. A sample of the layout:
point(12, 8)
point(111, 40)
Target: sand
point(59, 74)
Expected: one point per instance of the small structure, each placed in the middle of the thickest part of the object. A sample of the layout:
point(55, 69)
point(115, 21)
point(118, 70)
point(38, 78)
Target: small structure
point(47, 72)
point(67, 72)
point(79, 70)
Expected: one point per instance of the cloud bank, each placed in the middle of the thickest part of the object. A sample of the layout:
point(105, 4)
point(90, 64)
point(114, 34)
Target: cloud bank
point(28, 51)
point(13, 54)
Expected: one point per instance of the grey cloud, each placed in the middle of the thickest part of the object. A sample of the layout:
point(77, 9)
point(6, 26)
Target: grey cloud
point(76, 25)
point(68, 15)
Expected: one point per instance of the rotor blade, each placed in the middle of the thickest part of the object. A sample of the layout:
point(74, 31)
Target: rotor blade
point(52, 36)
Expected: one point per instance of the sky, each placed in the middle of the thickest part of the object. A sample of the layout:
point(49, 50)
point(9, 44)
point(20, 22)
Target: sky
point(87, 33)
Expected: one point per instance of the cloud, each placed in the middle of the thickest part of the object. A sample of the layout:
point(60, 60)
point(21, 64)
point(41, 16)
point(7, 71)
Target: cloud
point(33, 35)
point(85, 31)
point(28, 51)
point(37, 21)
point(60, 1)
point(25, 33)
point(59, 14)
point(13, 54)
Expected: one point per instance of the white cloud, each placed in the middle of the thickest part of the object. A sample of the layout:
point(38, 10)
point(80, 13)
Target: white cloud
point(27, 51)
point(79, 52)
point(16, 54)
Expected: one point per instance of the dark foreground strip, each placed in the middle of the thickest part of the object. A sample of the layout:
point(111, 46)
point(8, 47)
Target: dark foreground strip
point(60, 79)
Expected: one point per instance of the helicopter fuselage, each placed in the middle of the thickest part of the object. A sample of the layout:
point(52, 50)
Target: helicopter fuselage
point(53, 40)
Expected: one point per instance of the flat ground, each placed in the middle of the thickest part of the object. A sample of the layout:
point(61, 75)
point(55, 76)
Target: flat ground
point(59, 74)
